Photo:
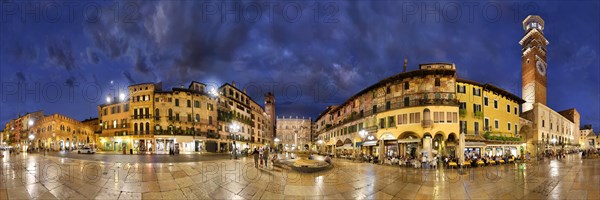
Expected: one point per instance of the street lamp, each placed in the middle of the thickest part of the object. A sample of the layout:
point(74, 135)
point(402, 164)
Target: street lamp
point(107, 99)
point(122, 97)
point(362, 134)
point(30, 122)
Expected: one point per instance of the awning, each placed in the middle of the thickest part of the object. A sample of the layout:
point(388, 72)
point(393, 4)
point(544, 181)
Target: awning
point(474, 144)
point(345, 146)
point(369, 143)
point(409, 141)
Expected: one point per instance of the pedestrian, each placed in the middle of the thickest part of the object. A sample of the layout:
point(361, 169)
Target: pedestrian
point(256, 155)
point(266, 157)
point(260, 156)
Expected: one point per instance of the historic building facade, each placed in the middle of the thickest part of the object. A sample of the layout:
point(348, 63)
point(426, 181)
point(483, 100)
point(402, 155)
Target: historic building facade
point(551, 130)
point(294, 133)
point(58, 132)
point(396, 116)
point(148, 119)
point(242, 121)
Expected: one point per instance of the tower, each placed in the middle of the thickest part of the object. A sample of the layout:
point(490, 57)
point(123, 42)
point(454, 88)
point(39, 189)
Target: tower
point(270, 110)
point(533, 62)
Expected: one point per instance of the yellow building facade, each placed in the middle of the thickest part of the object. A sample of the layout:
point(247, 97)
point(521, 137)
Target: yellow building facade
point(489, 116)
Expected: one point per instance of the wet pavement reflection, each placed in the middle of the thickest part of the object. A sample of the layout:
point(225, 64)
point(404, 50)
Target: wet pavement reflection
point(37, 176)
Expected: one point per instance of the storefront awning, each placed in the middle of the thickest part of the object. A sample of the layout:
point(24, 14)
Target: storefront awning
point(409, 141)
point(345, 146)
point(369, 143)
point(474, 144)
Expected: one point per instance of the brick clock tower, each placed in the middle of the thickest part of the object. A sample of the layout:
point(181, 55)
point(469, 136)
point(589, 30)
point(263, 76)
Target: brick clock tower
point(533, 62)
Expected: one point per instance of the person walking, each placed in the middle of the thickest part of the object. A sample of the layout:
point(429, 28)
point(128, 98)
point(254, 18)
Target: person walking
point(255, 154)
point(266, 157)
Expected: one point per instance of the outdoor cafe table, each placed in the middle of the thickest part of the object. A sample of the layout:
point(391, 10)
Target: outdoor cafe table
point(452, 164)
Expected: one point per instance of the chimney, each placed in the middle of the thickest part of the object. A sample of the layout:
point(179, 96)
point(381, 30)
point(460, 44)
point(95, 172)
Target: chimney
point(405, 63)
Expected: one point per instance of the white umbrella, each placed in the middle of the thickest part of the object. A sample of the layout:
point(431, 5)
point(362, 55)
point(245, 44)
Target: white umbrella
point(461, 148)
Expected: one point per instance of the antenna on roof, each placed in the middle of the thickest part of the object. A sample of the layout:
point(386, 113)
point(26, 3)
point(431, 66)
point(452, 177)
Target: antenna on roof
point(405, 63)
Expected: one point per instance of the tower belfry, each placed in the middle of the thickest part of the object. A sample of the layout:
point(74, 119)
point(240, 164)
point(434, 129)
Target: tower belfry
point(533, 62)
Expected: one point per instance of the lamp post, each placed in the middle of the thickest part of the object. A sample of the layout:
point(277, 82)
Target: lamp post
point(31, 137)
point(554, 145)
point(234, 128)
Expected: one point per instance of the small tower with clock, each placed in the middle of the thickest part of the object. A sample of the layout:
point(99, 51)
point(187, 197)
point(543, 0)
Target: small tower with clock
point(533, 62)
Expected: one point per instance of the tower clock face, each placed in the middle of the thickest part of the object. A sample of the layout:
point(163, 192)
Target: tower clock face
point(541, 67)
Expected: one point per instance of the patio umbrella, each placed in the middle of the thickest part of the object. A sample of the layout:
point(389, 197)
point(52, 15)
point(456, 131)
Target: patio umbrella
point(461, 148)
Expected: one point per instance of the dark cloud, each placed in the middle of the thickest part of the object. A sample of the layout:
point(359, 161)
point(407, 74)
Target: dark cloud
point(20, 77)
point(61, 54)
point(70, 82)
point(127, 76)
point(92, 56)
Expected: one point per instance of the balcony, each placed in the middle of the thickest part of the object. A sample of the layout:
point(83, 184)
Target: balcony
point(426, 123)
point(478, 114)
point(147, 116)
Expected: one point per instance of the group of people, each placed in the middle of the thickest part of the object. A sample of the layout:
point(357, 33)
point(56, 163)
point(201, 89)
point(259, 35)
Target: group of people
point(261, 157)
point(590, 153)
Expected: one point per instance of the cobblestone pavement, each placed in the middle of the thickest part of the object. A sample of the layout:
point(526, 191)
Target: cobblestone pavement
point(38, 177)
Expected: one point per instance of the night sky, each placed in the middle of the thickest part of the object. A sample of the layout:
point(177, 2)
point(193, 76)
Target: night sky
point(61, 56)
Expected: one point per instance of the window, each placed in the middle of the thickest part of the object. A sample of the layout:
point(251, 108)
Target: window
point(516, 129)
point(189, 103)
point(388, 105)
point(388, 90)
point(495, 104)
point(485, 101)
point(486, 124)
point(402, 119)
point(454, 117)
point(406, 101)
point(374, 109)
point(508, 126)
point(449, 117)
point(496, 124)
point(461, 89)
point(476, 92)
point(176, 102)
point(543, 123)
point(391, 122)
point(406, 85)
point(210, 120)
point(437, 82)
point(170, 114)
point(463, 105)
point(508, 108)
point(463, 126)
point(382, 123)
point(189, 118)
point(476, 108)
point(197, 104)
point(177, 117)
point(438, 117)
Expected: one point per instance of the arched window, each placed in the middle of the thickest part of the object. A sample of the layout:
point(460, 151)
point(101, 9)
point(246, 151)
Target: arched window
point(147, 127)
point(170, 114)
point(426, 114)
point(135, 128)
point(141, 128)
point(157, 112)
point(197, 117)
point(437, 82)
